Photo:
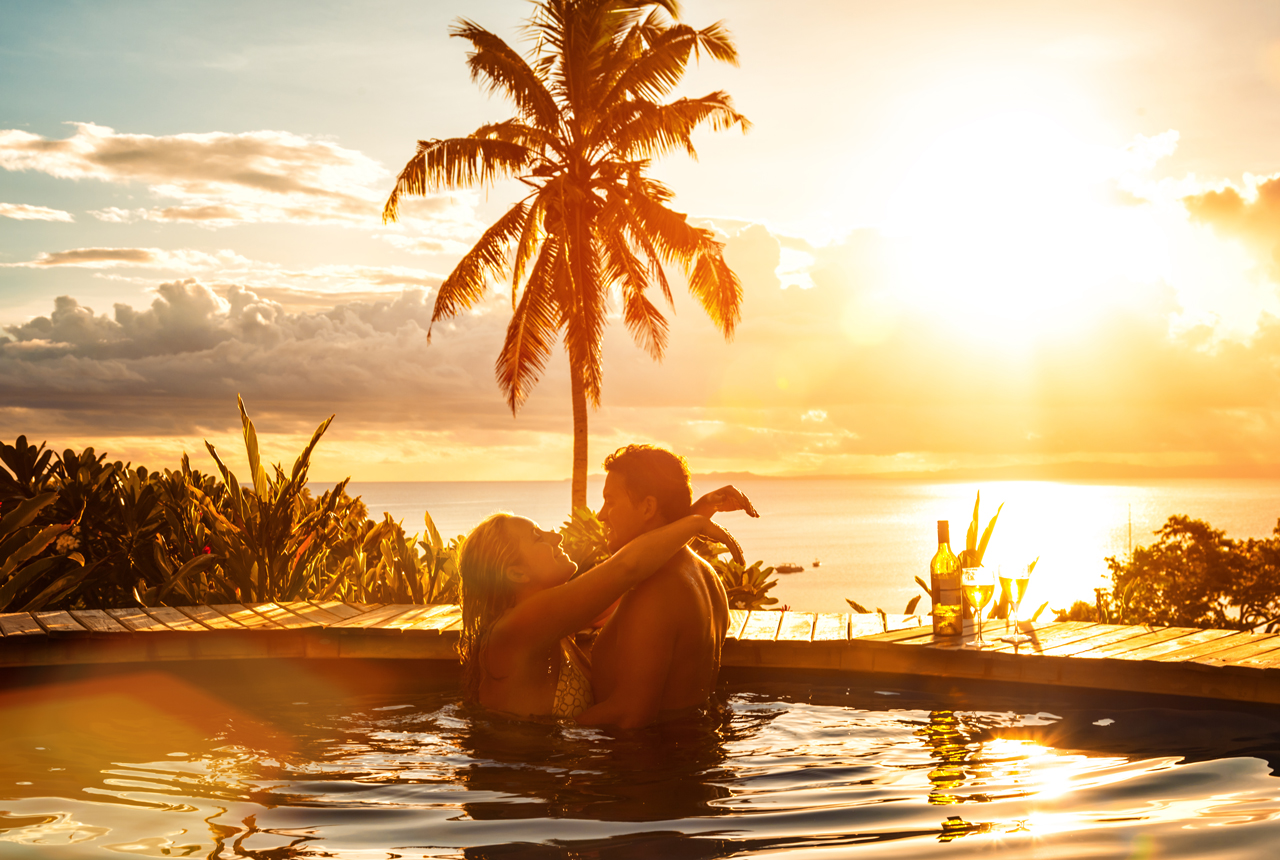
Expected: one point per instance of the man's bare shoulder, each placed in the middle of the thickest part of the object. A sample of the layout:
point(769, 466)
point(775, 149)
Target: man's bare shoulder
point(682, 572)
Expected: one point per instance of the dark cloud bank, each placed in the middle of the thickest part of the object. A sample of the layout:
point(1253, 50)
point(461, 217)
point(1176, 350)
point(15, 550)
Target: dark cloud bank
point(176, 367)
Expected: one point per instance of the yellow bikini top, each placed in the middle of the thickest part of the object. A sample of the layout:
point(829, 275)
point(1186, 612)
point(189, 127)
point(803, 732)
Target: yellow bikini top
point(573, 689)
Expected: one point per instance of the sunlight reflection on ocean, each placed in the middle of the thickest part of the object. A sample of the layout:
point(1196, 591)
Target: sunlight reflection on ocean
point(872, 537)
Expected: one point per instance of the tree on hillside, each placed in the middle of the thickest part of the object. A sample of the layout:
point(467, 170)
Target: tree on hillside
point(1196, 576)
point(590, 117)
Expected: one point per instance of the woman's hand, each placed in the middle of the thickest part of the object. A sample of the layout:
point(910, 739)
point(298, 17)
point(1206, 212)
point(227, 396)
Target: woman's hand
point(727, 498)
point(718, 533)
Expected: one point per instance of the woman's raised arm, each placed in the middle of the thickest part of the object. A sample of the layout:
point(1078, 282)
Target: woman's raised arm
point(565, 609)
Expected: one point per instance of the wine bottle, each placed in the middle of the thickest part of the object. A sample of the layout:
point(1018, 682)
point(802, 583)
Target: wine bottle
point(944, 581)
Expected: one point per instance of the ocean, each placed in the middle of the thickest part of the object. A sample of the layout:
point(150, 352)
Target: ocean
point(872, 537)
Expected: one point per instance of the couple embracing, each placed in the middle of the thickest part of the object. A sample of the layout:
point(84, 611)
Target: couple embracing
point(657, 654)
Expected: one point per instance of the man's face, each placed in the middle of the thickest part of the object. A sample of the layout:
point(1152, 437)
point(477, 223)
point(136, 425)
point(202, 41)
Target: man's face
point(623, 520)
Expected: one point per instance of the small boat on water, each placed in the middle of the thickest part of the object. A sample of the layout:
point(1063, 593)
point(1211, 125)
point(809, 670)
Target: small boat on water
point(817, 562)
point(788, 567)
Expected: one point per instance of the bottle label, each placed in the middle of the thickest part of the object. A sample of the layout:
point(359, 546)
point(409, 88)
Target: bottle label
point(947, 620)
point(948, 607)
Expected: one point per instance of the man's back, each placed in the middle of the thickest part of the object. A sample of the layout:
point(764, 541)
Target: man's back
point(660, 652)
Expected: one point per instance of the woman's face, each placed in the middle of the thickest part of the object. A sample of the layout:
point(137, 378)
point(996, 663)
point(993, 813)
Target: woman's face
point(542, 560)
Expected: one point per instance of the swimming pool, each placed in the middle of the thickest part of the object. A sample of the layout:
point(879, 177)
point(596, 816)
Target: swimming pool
point(320, 759)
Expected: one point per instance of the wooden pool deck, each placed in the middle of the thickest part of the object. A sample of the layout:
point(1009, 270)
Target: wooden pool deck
point(1221, 664)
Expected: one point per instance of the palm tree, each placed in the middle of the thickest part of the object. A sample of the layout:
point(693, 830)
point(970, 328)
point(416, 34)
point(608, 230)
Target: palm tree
point(589, 119)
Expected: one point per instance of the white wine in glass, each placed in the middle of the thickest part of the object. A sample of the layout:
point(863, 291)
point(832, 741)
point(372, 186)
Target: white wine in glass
point(979, 586)
point(1014, 587)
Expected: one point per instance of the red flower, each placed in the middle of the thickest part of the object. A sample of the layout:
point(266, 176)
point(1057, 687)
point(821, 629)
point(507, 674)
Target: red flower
point(208, 551)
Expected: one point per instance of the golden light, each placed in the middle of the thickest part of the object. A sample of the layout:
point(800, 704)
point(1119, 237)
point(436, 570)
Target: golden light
point(1013, 225)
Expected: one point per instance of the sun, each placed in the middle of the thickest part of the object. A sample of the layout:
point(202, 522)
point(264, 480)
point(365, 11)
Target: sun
point(1013, 225)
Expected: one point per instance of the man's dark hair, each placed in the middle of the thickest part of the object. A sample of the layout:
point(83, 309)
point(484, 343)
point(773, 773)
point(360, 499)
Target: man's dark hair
point(653, 471)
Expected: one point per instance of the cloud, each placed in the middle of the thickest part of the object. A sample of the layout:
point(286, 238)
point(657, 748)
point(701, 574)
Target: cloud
point(353, 276)
point(297, 288)
point(178, 321)
point(1251, 213)
point(831, 378)
point(149, 258)
point(174, 367)
point(1144, 152)
point(213, 215)
point(425, 245)
point(27, 212)
point(218, 178)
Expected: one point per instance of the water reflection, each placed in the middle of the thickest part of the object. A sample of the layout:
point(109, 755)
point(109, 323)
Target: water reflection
point(665, 772)
point(300, 760)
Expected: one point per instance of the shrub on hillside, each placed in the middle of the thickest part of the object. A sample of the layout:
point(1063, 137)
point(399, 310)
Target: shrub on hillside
point(1195, 576)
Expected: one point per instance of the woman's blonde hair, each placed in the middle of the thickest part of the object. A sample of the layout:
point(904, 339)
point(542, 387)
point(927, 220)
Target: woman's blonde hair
point(487, 593)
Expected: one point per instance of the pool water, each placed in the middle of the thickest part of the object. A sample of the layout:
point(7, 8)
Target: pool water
point(378, 760)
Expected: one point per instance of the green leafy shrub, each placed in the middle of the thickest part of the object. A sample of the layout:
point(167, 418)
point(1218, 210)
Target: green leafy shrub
point(1195, 576)
point(78, 531)
point(1081, 610)
point(29, 469)
point(582, 537)
point(747, 587)
point(264, 536)
point(32, 571)
point(272, 540)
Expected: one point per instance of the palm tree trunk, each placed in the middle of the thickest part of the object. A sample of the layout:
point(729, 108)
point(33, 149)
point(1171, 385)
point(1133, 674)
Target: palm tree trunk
point(578, 392)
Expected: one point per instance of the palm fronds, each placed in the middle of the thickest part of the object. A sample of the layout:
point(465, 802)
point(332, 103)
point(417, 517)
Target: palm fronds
point(589, 117)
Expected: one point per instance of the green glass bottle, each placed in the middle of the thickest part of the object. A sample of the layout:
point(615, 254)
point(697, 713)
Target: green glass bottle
point(944, 581)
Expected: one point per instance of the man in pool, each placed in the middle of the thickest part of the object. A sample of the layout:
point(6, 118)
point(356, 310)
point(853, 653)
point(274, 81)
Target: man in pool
point(659, 653)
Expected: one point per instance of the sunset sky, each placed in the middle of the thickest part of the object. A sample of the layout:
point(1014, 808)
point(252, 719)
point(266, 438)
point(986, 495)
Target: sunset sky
point(970, 235)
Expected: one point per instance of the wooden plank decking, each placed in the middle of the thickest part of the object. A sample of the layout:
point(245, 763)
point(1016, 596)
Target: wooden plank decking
point(1224, 664)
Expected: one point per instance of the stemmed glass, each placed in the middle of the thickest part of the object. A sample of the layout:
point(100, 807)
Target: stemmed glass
point(979, 585)
point(1014, 587)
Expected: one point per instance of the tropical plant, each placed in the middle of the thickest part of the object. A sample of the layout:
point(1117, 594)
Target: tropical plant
point(971, 556)
point(31, 577)
point(1196, 576)
point(582, 537)
point(273, 540)
point(439, 565)
point(29, 469)
point(264, 537)
point(908, 610)
point(974, 549)
point(118, 521)
point(110, 524)
point(1080, 610)
point(746, 587)
point(385, 566)
point(589, 120)
point(77, 531)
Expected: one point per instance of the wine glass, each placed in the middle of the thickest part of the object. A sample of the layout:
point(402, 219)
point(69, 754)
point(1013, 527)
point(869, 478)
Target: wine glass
point(979, 585)
point(1014, 587)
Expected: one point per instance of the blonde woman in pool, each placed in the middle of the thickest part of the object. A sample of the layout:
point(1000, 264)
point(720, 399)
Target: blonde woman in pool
point(521, 606)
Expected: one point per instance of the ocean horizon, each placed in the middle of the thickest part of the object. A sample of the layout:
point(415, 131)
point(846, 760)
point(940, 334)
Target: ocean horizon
point(873, 535)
